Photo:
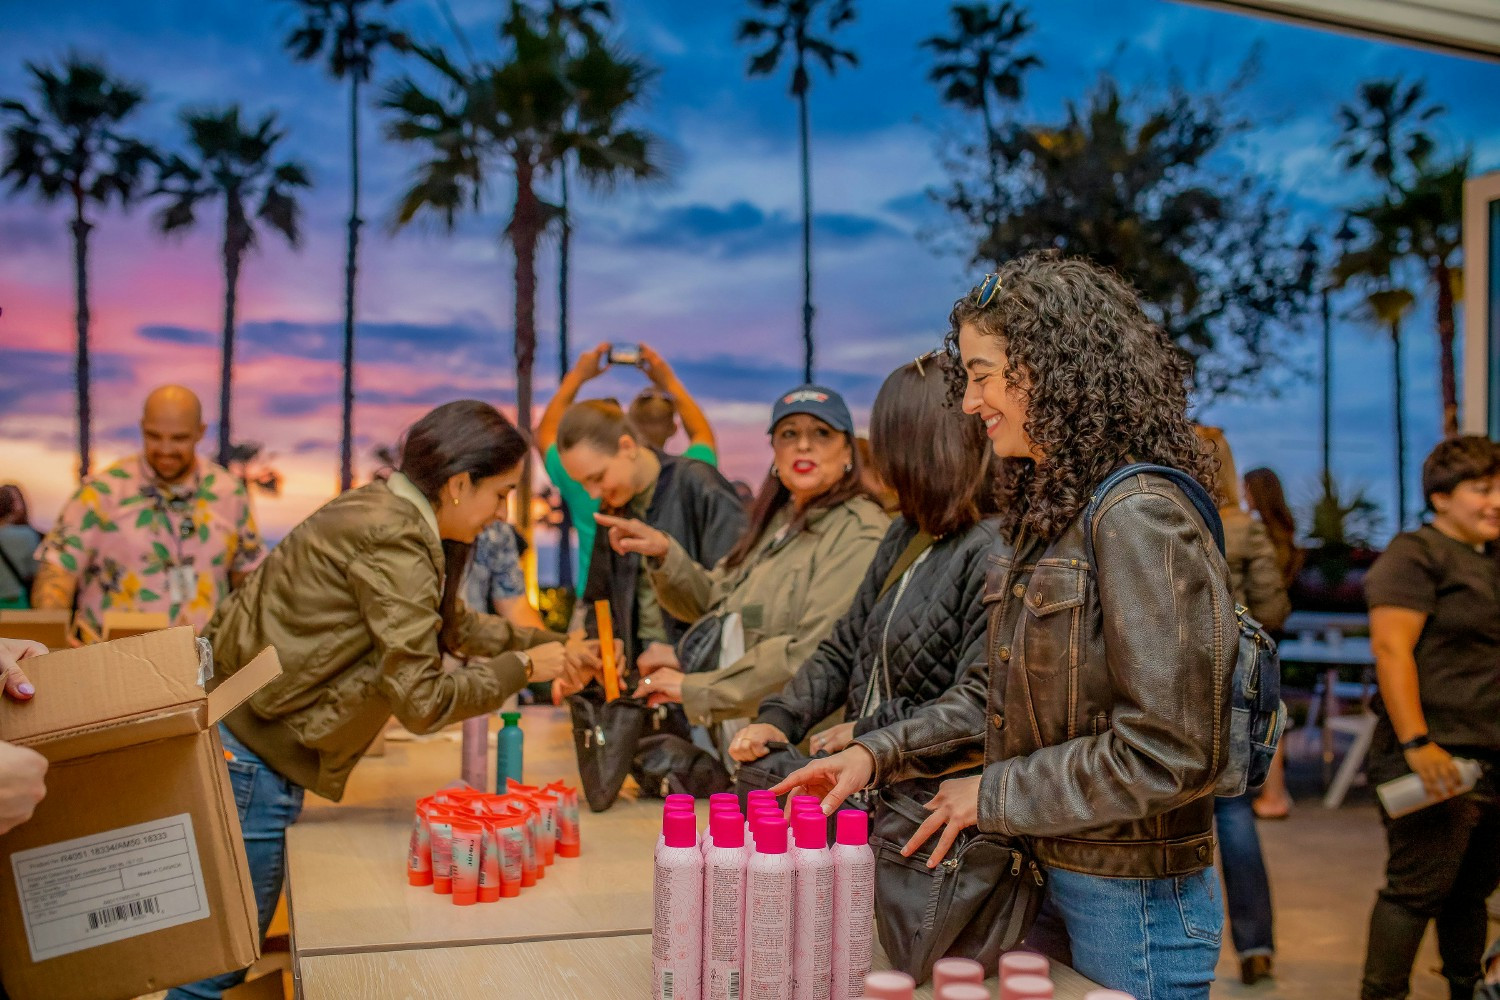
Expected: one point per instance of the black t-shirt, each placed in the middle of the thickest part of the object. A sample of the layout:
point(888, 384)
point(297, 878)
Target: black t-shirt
point(1458, 652)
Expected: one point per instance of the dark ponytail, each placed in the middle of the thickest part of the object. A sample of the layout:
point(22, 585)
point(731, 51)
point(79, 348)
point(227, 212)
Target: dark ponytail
point(463, 436)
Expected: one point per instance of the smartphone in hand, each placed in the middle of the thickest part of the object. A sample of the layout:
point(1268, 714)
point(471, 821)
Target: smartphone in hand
point(624, 354)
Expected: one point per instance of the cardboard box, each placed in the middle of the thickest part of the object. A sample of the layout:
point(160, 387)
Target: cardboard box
point(124, 624)
point(131, 877)
point(50, 628)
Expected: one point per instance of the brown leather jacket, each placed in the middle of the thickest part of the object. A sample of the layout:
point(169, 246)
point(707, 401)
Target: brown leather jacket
point(1102, 714)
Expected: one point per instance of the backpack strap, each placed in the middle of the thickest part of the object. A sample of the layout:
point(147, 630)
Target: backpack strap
point(920, 542)
point(1190, 487)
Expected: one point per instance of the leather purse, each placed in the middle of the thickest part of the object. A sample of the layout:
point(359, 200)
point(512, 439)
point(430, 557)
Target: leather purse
point(607, 735)
point(977, 903)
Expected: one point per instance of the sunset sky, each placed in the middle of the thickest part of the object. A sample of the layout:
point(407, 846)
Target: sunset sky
point(705, 266)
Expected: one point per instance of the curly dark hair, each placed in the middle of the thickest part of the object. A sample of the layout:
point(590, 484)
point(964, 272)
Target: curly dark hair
point(1104, 385)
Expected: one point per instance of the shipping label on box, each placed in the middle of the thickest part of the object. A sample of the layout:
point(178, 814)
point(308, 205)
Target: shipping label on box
point(114, 885)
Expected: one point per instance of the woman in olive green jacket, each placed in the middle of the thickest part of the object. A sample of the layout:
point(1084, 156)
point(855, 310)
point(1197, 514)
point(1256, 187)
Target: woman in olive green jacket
point(361, 601)
point(813, 531)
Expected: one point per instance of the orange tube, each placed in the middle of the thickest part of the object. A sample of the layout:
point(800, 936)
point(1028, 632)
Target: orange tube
point(607, 650)
point(468, 839)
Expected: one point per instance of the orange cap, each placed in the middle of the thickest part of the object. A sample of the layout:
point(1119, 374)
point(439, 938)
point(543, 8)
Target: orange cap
point(419, 878)
point(465, 898)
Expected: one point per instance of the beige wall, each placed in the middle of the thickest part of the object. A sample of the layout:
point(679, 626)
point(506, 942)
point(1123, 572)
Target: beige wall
point(1466, 27)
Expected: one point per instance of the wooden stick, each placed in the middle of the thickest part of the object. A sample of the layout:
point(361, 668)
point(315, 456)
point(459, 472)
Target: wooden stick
point(607, 650)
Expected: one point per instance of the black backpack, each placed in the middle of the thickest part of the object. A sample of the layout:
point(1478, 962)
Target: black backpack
point(1258, 716)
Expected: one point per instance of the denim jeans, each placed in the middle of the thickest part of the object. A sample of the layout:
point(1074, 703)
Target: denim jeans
point(1156, 939)
point(267, 804)
point(1247, 890)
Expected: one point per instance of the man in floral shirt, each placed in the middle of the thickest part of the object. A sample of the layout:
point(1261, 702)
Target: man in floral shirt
point(162, 531)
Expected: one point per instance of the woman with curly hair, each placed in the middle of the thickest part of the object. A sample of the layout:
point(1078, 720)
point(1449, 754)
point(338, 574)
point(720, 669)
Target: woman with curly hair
point(1101, 718)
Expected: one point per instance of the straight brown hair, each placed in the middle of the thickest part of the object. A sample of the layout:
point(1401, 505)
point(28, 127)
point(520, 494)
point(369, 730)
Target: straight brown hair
point(599, 423)
point(936, 458)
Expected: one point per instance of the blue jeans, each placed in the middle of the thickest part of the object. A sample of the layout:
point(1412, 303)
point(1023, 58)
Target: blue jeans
point(1156, 939)
point(1247, 890)
point(268, 804)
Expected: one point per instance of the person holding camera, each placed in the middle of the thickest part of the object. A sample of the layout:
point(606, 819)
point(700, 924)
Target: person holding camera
point(1434, 598)
point(648, 408)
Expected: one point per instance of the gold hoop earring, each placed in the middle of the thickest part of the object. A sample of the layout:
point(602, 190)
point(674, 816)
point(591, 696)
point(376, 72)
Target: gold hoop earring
point(775, 472)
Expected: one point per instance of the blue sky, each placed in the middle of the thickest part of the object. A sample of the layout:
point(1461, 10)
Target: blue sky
point(705, 266)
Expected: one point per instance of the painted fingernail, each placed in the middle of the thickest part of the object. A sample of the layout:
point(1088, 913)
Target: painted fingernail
point(26, 689)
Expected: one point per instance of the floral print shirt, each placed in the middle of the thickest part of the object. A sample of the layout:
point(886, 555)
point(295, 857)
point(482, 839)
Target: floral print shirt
point(494, 572)
point(135, 545)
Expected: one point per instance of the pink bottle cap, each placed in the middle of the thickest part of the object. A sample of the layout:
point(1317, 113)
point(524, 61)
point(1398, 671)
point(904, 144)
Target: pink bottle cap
point(1025, 987)
point(680, 829)
point(1107, 995)
point(726, 829)
point(812, 800)
point(810, 831)
point(770, 838)
point(951, 971)
point(729, 797)
point(716, 807)
point(1024, 963)
point(962, 991)
point(760, 795)
point(767, 812)
point(889, 985)
point(680, 797)
point(853, 827)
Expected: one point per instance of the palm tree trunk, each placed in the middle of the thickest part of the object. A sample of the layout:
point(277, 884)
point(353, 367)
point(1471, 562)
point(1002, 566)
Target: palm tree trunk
point(233, 250)
point(1443, 277)
point(807, 306)
point(525, 230)
point(1400, 388)
point(81, 229)
point(346, 427)
point(992, 144)
point(564, 362)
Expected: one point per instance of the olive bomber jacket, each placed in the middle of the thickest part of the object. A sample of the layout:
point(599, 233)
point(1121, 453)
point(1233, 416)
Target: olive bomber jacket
point(350, 601)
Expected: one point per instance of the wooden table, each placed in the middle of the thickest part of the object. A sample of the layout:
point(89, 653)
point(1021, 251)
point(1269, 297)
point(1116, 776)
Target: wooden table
point(358, 930)
point(595, 969)
point(346, 864)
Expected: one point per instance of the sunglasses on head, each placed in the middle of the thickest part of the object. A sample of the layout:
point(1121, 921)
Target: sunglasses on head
point(926, 357)
point(988, 289)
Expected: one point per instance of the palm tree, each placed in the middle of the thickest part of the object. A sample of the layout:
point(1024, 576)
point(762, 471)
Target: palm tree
point(347, 33)
point(978, 65)
point(1373, 267)
point(792, 25)
point(1420, 204)
point(520, 115)
point(72, 147)
point(581, 22)
point(236, 165)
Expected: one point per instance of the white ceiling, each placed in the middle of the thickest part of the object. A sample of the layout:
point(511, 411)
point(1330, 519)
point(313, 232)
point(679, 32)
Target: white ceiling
point(1464, 27)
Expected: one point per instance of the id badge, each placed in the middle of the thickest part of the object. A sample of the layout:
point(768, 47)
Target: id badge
point(182, 584)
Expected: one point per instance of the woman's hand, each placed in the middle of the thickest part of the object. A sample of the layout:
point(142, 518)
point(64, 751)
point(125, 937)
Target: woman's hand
point(627, 535)
point(954, 808)
point(547, 661)
point(750, 743)
point(833, 739)
point(657, 656)
point(1435, 767)
point(661, 687)
point(832, 779)
point(12, 652)
point(22, 784)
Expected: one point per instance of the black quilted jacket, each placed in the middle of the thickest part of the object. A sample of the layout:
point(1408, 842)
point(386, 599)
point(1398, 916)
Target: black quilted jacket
point(922, 636)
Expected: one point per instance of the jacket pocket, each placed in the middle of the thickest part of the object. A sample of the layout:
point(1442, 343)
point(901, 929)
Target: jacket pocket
point(1049, 637)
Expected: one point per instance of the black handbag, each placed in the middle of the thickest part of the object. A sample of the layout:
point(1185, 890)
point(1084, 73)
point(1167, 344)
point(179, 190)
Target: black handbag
point(607, 736)
point(667, 764)
point(977, 903)
point(698, 649)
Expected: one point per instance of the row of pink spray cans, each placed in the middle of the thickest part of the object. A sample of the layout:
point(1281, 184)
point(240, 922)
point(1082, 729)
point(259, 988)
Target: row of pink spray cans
point(1022, 975)
point(760, 908)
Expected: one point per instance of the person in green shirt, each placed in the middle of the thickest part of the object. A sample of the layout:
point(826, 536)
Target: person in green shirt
point(654, 412)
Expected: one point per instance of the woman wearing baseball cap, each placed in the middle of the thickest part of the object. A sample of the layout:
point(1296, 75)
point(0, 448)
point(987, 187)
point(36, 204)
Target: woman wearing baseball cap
point(813, 531)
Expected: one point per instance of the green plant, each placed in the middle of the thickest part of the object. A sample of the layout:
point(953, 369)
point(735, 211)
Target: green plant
point(1343, 517)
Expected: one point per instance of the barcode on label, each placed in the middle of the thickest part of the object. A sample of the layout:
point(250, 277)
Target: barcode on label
point(734, 985)
point(133, 910)
point(667, 990)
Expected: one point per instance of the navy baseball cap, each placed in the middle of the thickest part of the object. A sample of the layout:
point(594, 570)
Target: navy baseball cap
point(816, 401)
